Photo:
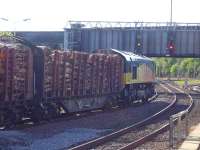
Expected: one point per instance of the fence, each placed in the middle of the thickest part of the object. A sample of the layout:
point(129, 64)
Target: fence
point(182, 123)
point(178, 128)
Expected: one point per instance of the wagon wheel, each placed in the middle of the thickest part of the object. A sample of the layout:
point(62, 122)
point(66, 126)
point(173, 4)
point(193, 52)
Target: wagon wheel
point(18, 114)
point(108, 104)
point(10, 118)
point(52, 110)
point(145, 99)
point(37, 113)
point(2, 118)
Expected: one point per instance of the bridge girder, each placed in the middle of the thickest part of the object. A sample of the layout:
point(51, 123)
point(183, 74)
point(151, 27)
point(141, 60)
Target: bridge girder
point(146, 38)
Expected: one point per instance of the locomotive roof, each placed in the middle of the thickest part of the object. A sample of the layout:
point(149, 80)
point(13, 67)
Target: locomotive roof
point(130, 56)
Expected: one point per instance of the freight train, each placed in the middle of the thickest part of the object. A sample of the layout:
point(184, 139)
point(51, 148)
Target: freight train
point(40, 83)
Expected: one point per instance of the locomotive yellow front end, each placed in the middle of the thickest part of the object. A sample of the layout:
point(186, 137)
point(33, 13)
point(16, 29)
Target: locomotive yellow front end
point(138, 77)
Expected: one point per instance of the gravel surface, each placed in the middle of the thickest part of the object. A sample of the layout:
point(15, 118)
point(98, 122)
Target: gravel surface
point(130, 137)
point(140, 132)
point(161, 141)
point(62, 134)
point(120, 142)
point(24, 140)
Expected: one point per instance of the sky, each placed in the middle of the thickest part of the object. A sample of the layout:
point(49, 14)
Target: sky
point(54, 14)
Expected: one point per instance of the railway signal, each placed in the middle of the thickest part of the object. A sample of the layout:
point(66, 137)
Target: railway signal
point(138, 42)
point(171, 47)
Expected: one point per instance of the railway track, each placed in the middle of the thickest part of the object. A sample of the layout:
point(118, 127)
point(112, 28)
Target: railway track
point(102, 142)
point(160, 129)
point(195, 89)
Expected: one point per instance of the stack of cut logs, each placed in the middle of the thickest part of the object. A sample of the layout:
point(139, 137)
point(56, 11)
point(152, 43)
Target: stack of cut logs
point(66, 74)
point(16, 72)
point(78, 74)
point(2, 71)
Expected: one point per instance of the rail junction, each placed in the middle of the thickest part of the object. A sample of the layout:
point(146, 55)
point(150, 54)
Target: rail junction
point(122, 140)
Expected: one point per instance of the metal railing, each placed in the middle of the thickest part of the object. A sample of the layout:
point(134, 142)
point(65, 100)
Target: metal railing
point(181, 123)
point(178, 128)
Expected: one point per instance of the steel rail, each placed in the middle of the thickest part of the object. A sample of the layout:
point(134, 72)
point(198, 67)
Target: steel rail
point(111, 136)
point(162, 129)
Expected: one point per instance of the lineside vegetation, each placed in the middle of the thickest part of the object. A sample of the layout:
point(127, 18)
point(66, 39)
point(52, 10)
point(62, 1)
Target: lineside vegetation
point(178, 67)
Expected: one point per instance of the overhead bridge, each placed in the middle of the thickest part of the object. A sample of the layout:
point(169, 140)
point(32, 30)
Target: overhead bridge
point(153, 39)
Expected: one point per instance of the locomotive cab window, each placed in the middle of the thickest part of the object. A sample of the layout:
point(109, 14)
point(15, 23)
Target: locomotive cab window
point(134, 72)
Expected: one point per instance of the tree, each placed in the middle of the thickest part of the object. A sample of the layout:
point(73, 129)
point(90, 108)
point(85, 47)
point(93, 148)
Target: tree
point(174, 70)
point(177, 67)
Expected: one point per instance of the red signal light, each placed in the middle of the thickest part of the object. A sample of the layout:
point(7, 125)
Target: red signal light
point(171, 47)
